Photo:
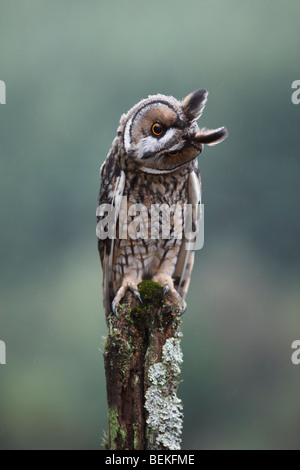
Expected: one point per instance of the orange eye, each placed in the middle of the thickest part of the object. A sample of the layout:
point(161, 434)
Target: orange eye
point(173, 154)
point(157, 129)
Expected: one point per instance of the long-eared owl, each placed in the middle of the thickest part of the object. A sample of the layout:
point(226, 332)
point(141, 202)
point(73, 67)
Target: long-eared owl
point(152, 163)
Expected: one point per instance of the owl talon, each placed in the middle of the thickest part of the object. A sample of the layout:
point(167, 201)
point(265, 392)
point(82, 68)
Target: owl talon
point(120, 294)
point(136, 294)
point(166, 289)
point(181, 302)
point(184, 308)
point(114, 308)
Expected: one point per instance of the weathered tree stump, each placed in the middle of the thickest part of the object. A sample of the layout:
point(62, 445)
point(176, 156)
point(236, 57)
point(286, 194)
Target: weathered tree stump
point(142, 364)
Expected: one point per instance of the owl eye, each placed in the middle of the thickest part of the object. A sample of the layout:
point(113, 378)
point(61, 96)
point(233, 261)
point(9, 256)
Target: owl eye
point(173, 154)
point(157, 128)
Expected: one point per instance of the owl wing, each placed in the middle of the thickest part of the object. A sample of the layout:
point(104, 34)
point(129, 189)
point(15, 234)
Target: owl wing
point(185, 260)
point(111, 191)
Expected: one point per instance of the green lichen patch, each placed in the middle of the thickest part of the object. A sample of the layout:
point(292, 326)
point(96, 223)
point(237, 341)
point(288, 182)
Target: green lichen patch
point(135, 438)
point(115, 430)
point(123, 347)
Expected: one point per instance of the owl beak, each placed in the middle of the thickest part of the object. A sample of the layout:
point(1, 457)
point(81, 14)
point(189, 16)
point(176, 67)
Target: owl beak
point(146, 155)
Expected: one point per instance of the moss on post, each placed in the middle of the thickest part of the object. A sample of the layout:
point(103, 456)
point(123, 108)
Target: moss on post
point(142, 363)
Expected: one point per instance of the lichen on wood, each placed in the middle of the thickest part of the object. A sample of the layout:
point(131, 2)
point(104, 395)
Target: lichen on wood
point(142, 362)
point(164, 408)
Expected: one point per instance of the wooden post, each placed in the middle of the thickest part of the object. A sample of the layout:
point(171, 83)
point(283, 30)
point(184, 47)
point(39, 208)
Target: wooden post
point(142, 364)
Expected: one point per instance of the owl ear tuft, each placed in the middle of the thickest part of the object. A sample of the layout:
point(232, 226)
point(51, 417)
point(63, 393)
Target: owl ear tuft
point(211, 136)
point(194, 103)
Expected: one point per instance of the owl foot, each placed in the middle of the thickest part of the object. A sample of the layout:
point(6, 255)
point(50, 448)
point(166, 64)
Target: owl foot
point(173, 292)
point(120, 294)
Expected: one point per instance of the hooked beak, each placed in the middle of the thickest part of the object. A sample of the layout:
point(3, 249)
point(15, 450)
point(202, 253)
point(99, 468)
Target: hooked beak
point(146, 155)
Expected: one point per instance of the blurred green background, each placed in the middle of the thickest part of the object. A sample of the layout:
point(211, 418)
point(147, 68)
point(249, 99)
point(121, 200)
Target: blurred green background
point(71, 69)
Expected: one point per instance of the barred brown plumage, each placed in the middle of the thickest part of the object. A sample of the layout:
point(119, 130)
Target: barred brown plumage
point(152, 160)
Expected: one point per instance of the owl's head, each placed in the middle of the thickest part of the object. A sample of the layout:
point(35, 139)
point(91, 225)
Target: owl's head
point(161, 134)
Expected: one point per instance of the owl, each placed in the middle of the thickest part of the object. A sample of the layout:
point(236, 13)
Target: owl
point(152, 163)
